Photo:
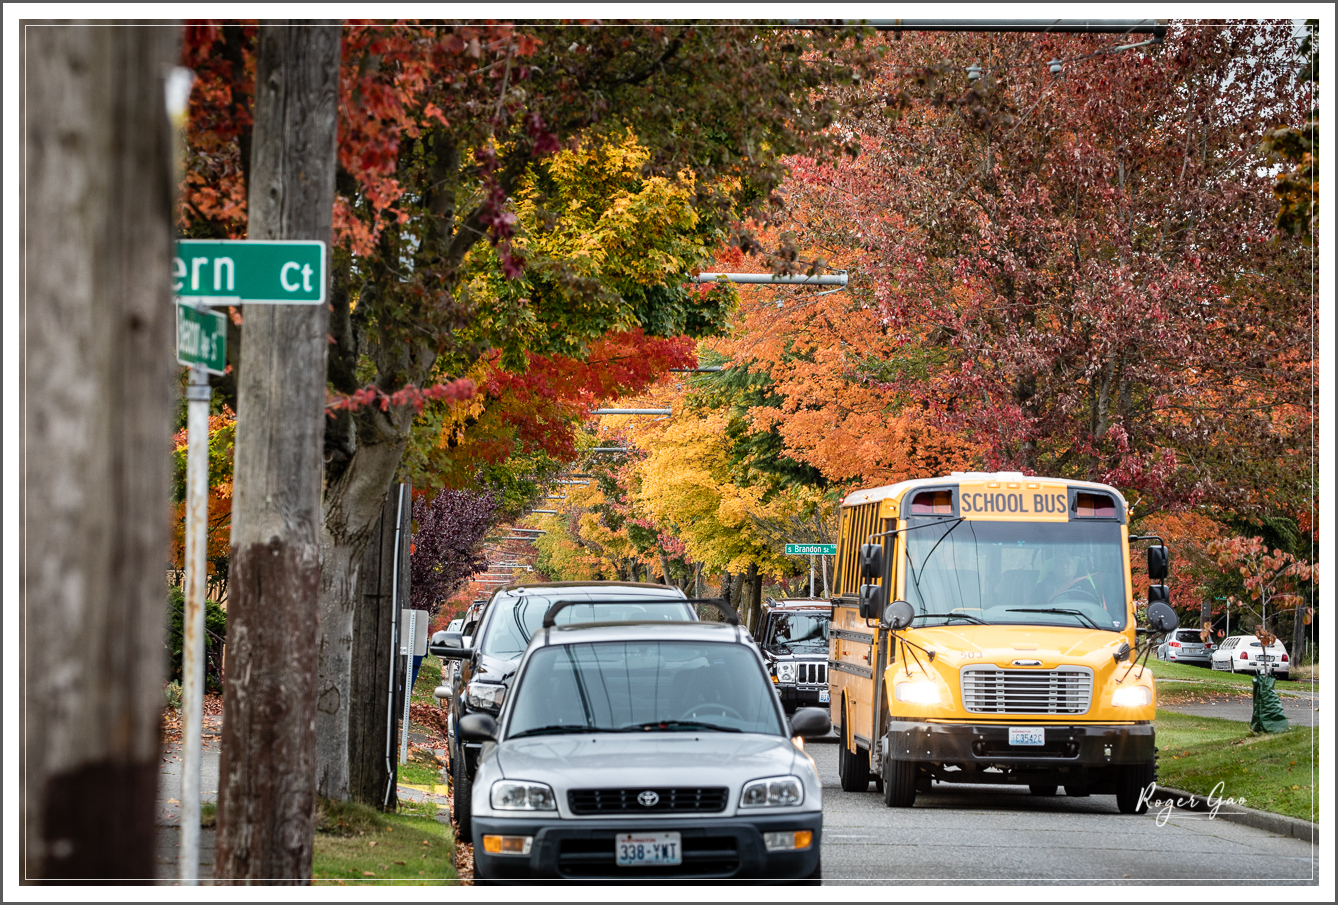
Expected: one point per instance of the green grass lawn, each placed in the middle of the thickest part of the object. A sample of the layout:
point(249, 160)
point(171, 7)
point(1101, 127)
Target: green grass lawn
point(1269, 772)
point(357, 846)
point(1178, 680)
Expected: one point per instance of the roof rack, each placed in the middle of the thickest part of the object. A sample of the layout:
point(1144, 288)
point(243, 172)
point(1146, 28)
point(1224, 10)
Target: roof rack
point(731, 615)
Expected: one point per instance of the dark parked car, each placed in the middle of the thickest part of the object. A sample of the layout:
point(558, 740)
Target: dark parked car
point(512, 616)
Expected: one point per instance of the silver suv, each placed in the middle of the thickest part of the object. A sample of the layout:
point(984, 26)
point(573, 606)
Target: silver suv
point(1186, 645)
point(651, 751)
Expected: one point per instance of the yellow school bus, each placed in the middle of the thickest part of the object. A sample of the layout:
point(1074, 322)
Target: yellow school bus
point(984, 632)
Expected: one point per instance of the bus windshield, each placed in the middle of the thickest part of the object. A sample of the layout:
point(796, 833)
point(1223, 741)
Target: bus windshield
point(1022, 573)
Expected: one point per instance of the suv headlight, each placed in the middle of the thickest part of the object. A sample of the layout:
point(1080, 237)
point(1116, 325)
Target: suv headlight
point(514, 795)
point(1133, 696)
point(484, 696)
point(785, 671)
point(774, 792)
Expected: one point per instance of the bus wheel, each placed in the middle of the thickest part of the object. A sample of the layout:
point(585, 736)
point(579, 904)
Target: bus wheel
point(1133, 779)
point(854, 768)
point(899, 783)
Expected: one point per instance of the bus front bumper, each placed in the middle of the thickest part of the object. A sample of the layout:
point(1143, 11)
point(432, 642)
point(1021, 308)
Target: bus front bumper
point(975, 747)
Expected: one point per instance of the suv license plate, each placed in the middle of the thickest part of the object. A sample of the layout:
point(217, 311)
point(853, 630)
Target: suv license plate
point(648, 849)
point(1026, 736)
point(824, 696)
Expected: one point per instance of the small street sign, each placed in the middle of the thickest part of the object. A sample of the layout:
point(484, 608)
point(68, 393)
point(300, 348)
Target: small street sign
point(226, 272)
point(810, 549)
point(202, 338)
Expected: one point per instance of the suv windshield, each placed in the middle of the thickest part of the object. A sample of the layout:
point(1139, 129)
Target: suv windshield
point(1026, 573)
point(643, 686)
point(518, 618)
point(798, 632)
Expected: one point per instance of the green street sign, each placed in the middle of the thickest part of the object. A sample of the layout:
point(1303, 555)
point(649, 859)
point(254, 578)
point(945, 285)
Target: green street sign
point(225, 272)
point(202, 338)
point(810, 549)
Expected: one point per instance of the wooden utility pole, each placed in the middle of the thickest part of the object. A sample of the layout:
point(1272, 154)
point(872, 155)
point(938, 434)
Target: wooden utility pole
point(268, 763)
point(96, 376)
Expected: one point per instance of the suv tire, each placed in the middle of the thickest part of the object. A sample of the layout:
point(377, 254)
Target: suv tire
point(462, 791)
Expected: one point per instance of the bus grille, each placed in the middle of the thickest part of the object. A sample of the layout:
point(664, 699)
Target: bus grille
point(989, 689)
point(811, 673)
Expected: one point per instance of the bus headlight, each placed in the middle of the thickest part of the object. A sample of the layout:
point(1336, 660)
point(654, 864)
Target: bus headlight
point(1133, 696)
point(920, 692)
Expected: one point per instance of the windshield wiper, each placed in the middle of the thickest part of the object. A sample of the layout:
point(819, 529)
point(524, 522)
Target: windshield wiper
point(976, 619)
point(1054, 609)
point(676, 726)
point(558, 730)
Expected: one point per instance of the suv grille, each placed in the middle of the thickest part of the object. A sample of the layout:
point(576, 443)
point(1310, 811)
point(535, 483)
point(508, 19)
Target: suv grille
point(811, 673)
point(989, 689)
point(677, 801)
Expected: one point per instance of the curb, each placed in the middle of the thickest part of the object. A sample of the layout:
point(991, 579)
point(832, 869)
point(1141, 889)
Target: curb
point(1278, 824)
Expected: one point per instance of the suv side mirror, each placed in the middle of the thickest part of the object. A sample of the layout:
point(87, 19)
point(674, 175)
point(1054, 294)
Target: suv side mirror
point(477, 727)
point(870, 600)
point(1158, 562)
point(809, 722)
point(449, 646)
point(1162, 618)
point(871, 561)
point(898, 615)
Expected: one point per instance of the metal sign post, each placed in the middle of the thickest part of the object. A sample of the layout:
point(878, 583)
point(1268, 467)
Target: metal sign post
point(192, 623)
point(812, 551)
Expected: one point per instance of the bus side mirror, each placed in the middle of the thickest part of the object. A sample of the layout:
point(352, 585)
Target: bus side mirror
point(871, 561)
point(1162, 618)
point(1158, 562)
point(898, 615)
point(1159, 593)
point(870, 600)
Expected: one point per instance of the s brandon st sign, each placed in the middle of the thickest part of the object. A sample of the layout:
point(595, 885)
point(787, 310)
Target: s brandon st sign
point(226, 272)
point(810, 550)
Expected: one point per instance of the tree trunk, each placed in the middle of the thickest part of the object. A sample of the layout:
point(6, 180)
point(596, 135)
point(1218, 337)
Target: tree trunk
point(371, 726)
point(97, 373)
point(754, 597)
point(1298, 635)
point(353, 506)
point(268, 763)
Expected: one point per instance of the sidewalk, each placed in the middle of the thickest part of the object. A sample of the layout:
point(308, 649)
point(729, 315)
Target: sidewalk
point(1301, 710)
point(168, 813)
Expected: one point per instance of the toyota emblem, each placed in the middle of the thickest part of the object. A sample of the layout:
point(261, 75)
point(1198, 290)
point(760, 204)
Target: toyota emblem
point(648, 799)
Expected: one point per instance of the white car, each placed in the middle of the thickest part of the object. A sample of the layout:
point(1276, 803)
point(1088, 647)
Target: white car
point(1245, 653)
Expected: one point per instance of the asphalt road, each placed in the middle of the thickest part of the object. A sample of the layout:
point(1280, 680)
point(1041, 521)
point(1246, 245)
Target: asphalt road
point(978, 835)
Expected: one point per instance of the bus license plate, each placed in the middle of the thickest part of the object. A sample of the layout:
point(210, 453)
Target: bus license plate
point(1026, 736)
point(824, 696)
point(649, 849)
